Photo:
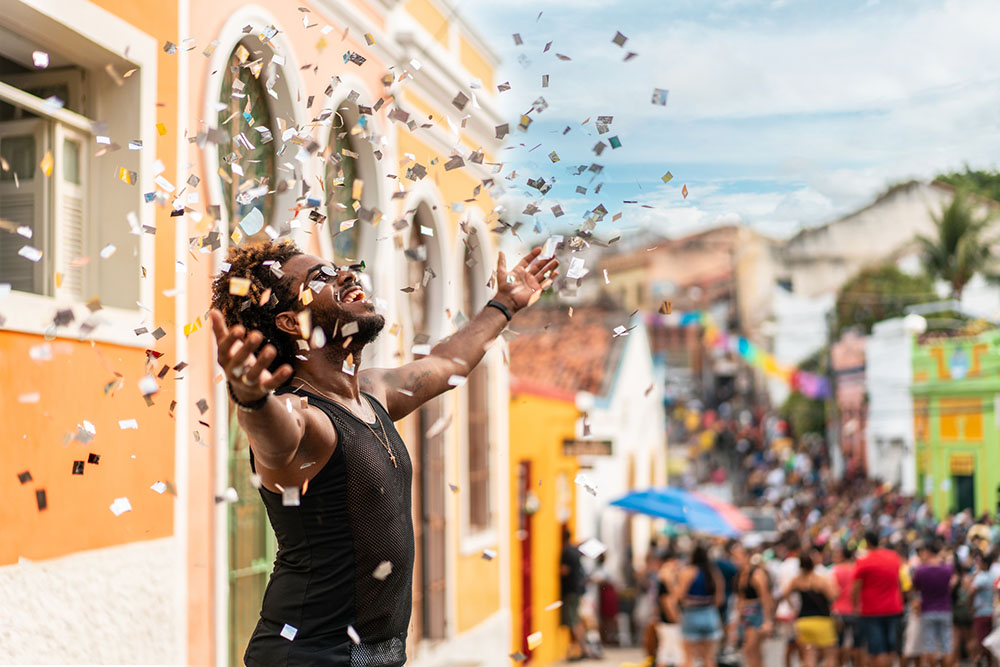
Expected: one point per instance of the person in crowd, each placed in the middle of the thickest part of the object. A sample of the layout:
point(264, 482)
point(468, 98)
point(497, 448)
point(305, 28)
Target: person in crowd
point(669, 641)
point(728, 572)
point(981, 586)
point(786, 613)
point(701, 591)
point(961, 612)
point(571, 586)
point(848, 636)
point(933, 581)
point(607, 602)
point(815, 631)
point(878, 600)
point(754, 605)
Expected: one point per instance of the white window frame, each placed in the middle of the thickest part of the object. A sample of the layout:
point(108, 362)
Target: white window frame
point(474, 541)
point(32, 313)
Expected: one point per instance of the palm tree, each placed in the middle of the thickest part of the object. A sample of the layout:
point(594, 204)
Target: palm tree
point(960, 248)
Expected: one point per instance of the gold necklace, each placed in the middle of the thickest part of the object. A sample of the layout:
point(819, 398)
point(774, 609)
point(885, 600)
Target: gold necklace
point(384, 443)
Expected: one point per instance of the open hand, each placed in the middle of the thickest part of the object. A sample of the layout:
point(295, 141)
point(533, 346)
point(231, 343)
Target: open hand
point(522, 286)
point(247, 370)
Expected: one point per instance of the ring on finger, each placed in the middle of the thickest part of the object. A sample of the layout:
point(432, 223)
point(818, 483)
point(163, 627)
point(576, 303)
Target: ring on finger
point(239, 371)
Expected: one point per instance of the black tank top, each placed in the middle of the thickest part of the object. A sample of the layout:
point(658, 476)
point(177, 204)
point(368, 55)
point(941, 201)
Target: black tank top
point(354, 516)
point(814, 603)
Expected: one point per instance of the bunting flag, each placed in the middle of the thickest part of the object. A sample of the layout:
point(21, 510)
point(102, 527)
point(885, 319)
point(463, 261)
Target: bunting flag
point(808, 384)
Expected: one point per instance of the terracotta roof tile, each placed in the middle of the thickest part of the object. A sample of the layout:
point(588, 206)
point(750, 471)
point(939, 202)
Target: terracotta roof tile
point(568, 354)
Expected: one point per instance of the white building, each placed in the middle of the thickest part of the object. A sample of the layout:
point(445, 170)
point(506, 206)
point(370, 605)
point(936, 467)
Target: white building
point(890, 450)
point(630, 415)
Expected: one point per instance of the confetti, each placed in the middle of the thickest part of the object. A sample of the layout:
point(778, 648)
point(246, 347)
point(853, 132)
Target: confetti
point(619, 39)
point(383, 570)
point(586, 483)
point(239, 286)
point(161, 129)
point(31, 397)
point(666, 177)
point(24, 477)
point(660, 96)
point(684, 191)
point(517, 656)
point(291, 497)
point(553, 606)
point(40, 59)
point(666, 307)
point(289, 632)
point(534, 640)
point(78, 467)
point(30, 253)
point(252, 222)
point(159, 487)
point(592, 548)
point(489, 554)
point(41, 500)
point(353, 634)
point(120, 506)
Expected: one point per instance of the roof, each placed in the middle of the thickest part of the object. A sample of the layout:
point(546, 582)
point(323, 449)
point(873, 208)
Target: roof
point(567, 354)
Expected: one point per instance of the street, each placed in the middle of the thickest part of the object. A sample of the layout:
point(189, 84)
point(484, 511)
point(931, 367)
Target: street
point(618, 657)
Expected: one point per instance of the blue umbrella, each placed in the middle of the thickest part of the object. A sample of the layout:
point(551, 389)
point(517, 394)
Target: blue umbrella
point(677, 506)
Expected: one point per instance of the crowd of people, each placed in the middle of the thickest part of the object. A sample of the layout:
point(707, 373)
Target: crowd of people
point(855, 574)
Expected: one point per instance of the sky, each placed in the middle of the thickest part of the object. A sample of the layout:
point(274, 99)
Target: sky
point(781, 113)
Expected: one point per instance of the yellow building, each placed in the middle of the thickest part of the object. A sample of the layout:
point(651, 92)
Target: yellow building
point(542, 501)
point(361, 130)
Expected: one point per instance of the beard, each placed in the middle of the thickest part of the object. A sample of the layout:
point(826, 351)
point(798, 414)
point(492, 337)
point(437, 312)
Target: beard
point(369, 325)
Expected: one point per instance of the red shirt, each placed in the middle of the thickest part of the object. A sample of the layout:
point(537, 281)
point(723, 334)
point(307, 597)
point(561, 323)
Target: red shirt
point(844, 576)
point(878, 572)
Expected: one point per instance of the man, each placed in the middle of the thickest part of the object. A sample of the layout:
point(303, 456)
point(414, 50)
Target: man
point(878, 599)
point(571, 587)
point(334, 473)
point(933, 581)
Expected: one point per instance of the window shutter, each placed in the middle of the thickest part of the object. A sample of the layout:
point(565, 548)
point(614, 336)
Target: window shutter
point(22, 144)
point(70, 238)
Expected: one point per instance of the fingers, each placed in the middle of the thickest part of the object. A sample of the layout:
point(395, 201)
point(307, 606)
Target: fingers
point(246, 348)
point(530, 257)
point(542, 267)
point(218, 324)
point(271, 381)
point(548, 281)
point(501, 268)
point(261, 364)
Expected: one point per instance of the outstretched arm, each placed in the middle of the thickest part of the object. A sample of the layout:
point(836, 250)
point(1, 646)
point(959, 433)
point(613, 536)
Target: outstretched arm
point(411, 385)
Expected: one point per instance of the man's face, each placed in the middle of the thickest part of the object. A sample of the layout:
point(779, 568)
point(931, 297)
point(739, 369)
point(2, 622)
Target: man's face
point(340, 303)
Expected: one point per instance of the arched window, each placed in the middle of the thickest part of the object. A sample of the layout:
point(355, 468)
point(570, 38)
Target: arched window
point(478, 496)
point(247, 158)
point(352, 190)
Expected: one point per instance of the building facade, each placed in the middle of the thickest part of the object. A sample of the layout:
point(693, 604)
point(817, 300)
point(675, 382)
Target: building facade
point(158, 135)
point(889, 444)
point(956, 383)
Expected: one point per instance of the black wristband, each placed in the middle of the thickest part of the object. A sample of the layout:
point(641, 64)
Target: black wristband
point(499, 306)
point(252, 405)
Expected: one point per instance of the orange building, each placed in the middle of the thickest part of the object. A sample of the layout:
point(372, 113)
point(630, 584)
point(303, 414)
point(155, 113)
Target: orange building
point(136, 138)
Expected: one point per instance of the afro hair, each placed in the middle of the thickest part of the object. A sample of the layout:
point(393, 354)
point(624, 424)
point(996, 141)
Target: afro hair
point(270, 293)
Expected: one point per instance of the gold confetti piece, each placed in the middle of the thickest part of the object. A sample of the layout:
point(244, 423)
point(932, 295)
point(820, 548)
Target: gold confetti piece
point(666, 177)
point(126, 176)
point(357, 188)
point(161, 128)
point(239, 286)
point(264, 298)
point(59, 279)
point(46, 164)
point(666, 307)
point(306, 297)
point(236, 236)
point(534, 640)
point(369, 38)
point(191, 327)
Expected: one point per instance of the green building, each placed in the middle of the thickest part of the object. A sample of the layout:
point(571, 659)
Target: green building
point(956, 382)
